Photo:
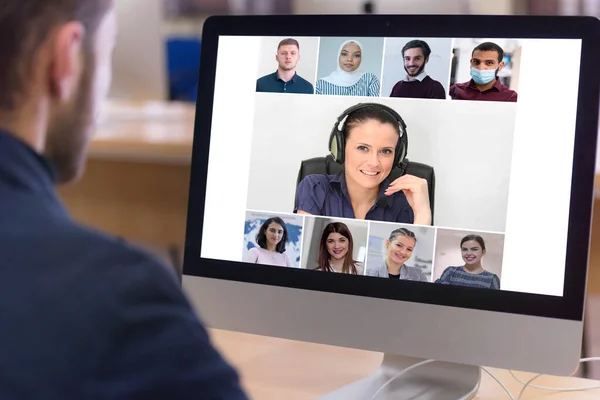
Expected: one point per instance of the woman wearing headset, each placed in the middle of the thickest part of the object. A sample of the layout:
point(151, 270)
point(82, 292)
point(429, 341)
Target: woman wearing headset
point(399, 247)
point(348, 79)
point(335, 251)
point(472, 273)
point(367, 141)
point(271, 239)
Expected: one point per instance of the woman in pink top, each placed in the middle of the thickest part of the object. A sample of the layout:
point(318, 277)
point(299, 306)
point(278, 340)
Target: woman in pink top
point(271, 238)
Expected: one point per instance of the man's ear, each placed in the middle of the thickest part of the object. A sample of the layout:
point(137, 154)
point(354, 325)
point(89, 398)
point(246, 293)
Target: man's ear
point(65, 60)
point(501, 65)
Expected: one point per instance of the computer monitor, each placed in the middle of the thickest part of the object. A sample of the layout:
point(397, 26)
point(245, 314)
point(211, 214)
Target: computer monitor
point(484, 128)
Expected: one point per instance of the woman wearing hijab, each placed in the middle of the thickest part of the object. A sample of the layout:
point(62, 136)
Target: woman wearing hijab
point(348, 79)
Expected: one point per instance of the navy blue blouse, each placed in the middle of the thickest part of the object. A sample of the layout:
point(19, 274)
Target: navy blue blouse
point(327, 195)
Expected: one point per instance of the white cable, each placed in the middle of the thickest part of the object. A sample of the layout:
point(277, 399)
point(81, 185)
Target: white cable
point(399, 374)
point(405, 370)
point(528, 383)
point(499, 383)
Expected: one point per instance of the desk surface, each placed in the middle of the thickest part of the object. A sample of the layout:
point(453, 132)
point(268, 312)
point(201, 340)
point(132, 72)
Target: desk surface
point(277, 369)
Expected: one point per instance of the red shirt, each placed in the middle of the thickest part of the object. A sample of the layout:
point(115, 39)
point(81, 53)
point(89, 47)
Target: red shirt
point(468, 91)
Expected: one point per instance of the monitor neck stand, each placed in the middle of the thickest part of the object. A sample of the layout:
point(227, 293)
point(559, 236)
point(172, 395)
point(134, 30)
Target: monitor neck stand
point(433, 381)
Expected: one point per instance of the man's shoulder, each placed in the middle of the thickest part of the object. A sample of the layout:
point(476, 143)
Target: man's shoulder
point(111, 261)
point(266, 77)
point(462, 85)
point(432, 81)
point(302, 80)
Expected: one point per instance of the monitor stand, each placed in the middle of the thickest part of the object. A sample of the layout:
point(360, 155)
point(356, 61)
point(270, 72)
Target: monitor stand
point(433, 381)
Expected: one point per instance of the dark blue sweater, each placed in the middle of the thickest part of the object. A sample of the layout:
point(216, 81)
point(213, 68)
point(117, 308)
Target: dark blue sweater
point(82, 314)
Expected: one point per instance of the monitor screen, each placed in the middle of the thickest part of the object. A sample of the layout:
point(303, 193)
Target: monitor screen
point(439, 160)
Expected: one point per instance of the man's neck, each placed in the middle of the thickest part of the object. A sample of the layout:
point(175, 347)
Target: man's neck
point(23, 129)
point(483, 88)
point(284, 75)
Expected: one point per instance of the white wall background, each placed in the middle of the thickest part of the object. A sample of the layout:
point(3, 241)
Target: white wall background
point(422, 255)
point(313, 228)
point(292, 249)
point(371, 56)
point(438, 67)
point(307, 65)
point(468, 143)
point(448, 254)
point(139, 61)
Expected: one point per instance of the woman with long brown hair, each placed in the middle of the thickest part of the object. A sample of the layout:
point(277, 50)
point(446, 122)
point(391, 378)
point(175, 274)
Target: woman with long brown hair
point(336, 249)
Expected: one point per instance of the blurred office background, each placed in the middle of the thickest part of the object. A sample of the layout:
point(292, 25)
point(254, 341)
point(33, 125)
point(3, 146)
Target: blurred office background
point(136, 183)
point(158, 52)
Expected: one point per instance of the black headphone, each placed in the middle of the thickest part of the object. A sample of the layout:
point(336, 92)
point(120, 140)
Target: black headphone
point(337, 142)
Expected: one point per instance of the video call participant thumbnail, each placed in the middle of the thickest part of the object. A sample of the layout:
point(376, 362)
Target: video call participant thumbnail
point(369, 140)
point(271, 239)
point(472, 273)
point(285, 79)
point(417, 84)
point(486, 62)
point(400, 247)
point(348, 79)
point(335, 250)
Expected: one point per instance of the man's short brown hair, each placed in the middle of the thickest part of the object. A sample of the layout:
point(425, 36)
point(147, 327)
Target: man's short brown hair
point(25, 25)
point(287, 42)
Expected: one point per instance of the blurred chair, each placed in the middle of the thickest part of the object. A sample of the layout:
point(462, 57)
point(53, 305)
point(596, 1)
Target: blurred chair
point(183, 63)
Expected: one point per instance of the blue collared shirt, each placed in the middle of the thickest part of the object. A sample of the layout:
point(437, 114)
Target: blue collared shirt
point(84, 315)
point(272, 83)
point(327, 195)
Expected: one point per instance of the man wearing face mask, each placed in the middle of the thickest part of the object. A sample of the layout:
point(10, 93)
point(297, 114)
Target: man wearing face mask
point(486, 62)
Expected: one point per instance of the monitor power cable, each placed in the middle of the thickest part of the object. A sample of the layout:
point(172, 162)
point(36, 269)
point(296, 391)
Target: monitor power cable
point(526, 384)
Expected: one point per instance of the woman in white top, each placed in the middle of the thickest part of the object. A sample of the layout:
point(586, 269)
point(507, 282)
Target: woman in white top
point(348, 79)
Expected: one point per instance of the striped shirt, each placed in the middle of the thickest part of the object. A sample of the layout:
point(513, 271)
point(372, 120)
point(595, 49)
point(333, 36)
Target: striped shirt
point(459, 277)
point(367, 85)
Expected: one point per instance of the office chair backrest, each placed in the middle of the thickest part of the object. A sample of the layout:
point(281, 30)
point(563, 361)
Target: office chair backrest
point(326, 165)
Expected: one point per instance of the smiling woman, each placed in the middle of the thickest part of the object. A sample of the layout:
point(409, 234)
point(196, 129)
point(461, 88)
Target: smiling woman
point(472, 273)
point(400, 246)
point(271, 239)
point(369, 140)
point(336, 250)
point(349, 79)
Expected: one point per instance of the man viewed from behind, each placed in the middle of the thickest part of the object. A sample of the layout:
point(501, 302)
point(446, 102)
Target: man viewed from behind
point(486, 62)
point(285, 79)
point(82, 314)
